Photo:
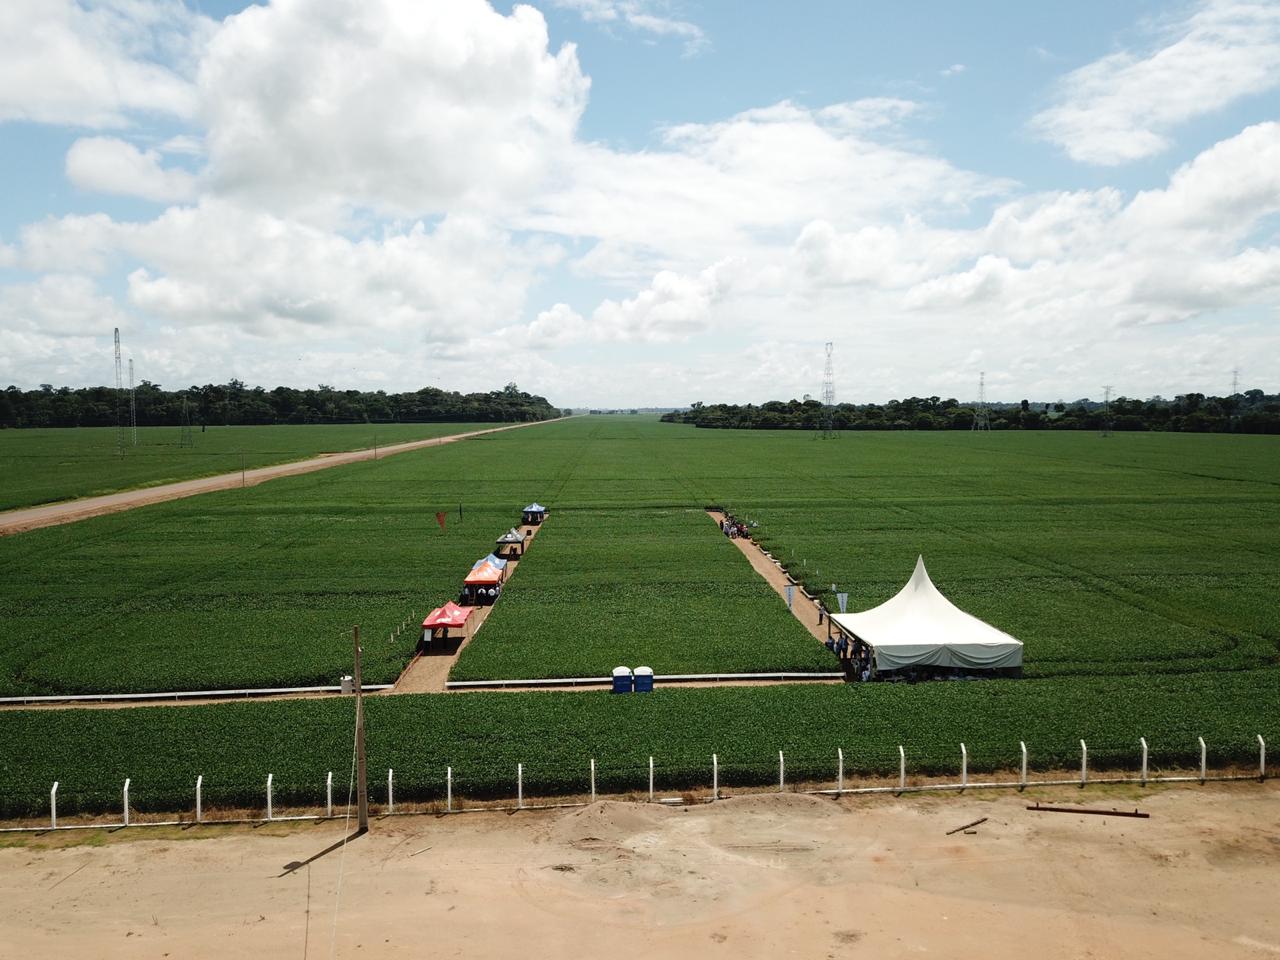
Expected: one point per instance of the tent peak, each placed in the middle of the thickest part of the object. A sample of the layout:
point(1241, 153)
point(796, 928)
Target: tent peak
point(920, 576)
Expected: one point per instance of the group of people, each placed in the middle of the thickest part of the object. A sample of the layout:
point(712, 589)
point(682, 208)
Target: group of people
point(854, 656)
point(734, 528)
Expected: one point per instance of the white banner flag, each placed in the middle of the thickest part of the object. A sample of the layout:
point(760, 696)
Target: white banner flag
point(843, 600)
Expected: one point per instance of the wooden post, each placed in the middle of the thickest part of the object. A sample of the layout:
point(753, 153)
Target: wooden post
point(362, 786)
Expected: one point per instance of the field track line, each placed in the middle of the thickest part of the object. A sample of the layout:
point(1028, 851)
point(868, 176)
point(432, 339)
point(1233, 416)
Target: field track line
point(48, 515)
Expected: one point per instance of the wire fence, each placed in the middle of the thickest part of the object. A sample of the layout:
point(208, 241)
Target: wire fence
point(446, 789)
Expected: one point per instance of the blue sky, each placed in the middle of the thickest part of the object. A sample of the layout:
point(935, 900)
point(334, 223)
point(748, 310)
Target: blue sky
point(635, 202)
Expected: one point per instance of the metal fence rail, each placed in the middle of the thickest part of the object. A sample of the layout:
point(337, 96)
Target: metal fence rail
point(714, 780)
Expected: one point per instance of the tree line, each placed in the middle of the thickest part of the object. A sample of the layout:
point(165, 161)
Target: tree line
point(235, 403)
point(1252, 411)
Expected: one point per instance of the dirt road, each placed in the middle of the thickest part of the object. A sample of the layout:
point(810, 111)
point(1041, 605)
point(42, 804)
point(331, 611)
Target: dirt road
point(766, 876)
point(48, 515)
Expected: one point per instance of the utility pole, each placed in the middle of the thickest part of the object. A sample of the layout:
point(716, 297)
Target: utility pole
point(362, 785)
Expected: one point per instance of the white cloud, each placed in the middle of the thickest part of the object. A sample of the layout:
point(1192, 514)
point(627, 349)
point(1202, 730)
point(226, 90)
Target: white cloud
point(954, 70)
point(403, 107)
point(109, 165)
point(674, 307)
point(58, 305)
point(64, 63)
point(638, 15)
point(1123, 106)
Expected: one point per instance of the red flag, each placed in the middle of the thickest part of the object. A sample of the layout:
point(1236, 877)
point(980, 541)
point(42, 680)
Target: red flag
point(440, 515)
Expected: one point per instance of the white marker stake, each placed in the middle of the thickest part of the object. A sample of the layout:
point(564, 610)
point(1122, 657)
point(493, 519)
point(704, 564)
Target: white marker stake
point(270, 777)
point(1143, 741)
point(328, 795)
point(448, 790)
point(1022, 780)
point(199, 798)
point(519, 786)
point(839, 770)
point(126, 801)
point(782, 773)
point(651, 779)
point(1084, 763)
point(964, 766)
point(391, 790)
point(902, 768)
point(1204, 758)
point(715, 776)
point(1262, 758)
point(53, 806)
point(593, 779)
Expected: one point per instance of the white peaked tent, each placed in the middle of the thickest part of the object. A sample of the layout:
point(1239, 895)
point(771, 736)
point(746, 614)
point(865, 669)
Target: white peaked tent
point(919, 627)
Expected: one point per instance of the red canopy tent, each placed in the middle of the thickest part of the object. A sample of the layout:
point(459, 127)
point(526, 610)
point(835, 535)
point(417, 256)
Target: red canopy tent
point(441, 620)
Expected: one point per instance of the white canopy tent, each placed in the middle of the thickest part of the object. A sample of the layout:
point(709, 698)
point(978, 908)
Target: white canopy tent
point(919, 627)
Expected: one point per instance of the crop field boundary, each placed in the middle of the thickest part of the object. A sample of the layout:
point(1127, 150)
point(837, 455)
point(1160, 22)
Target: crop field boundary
point(69, 511)
point(685, 795)
point(181, 695)
point(665, 678)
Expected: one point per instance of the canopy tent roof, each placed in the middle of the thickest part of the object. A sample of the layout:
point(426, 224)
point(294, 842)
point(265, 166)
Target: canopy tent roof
point(450, 615)
point(918, 626)
point(511, 536)
point(535, 507)
point(486, 570)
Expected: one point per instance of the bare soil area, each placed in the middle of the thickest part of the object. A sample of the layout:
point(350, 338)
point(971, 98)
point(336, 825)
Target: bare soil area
point(756, 876)
point(48, 515)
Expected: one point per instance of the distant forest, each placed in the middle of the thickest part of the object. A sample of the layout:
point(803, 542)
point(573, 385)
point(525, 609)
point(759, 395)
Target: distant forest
point(235, 403)
point(1249, 412)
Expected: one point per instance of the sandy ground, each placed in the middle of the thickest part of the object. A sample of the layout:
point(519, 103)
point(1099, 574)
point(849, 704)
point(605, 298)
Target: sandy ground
point(48, 515)
point(761, 876)
point(427, 673)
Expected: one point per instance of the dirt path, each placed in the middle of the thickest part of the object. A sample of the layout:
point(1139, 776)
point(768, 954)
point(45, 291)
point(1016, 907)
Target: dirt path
point(802, 608)
point(427, 673)
point(31, 518)
point(764, 876)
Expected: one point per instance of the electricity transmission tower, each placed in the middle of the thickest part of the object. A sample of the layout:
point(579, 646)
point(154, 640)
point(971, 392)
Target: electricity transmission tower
point(1235, 381)
point(829, 398)
point(119, 400)
point(185, 439)
point(133, 405)
point(1106, 410)
point(981, 416)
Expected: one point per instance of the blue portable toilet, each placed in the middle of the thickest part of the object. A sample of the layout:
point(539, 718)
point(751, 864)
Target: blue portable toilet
point(621, 679)
point(644, 679)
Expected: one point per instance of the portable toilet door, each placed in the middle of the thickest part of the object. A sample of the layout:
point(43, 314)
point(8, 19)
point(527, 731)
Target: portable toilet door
point(621, 679)
point(644, 679)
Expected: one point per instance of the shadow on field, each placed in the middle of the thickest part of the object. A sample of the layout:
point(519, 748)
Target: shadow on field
point(297, 865)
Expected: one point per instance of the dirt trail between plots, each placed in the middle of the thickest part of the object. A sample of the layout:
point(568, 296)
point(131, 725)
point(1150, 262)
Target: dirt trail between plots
point(755, 876)
point(48, 515)
point(428, 672)
point(802, 608)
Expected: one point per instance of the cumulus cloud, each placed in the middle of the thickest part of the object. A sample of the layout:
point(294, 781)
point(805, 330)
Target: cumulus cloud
point(402, 107)
point(1124, 106)
point(109, 165)
point(954, 70)
point(94, 66)
point(56, 306)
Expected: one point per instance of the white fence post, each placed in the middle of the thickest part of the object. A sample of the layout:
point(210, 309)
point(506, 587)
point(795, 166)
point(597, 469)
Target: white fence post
point(1022, 781)
point(53, 806)
point(270, 777)
point(126, 800)
point(839, 771)
point(1084, 763)
point(964, 765)
point(651, 779)
point(328, 795)
point(1262, 758)
point(1143, 741)
point(715, 776)
point(1204, 758)
point(199, 798)
point(902, 768)
point(593, 779)
point(391, 790)
point(782, 773)
point(519, 786)
point(448, 790)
